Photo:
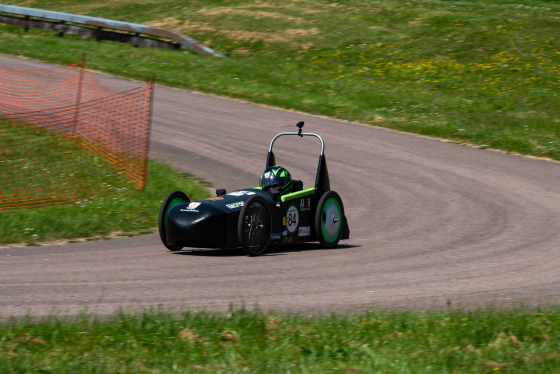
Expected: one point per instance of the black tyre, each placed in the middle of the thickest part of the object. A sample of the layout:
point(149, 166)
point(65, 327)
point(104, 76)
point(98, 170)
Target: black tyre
point(173, 199)
point(253, 227)
point(329, 219)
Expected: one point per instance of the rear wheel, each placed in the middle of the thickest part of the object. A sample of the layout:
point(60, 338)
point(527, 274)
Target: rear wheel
point(329, 219)
point(173, 199)
point(253, 227)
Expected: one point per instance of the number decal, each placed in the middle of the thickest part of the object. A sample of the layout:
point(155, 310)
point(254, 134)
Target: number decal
point(292, 219)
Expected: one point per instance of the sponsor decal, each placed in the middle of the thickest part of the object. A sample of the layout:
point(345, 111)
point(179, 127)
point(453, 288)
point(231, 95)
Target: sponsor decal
point(241, 193)
point(275, 236)
point(292, 219)
point(267, 174)
point(214, 198)
point(305, 204)
point(191, 207)
point(304, 231)
point(238, 204)
point(285, 232)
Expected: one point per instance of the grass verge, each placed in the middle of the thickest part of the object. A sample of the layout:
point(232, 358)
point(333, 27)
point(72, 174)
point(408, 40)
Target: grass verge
point(42, 167)
point(126, 213)
point(483, 341)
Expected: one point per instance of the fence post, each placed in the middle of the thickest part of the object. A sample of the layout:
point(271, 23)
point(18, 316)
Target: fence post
point(82, 68)
point(149, 131)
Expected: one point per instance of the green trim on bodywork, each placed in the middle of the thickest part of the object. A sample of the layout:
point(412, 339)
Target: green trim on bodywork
point(295, 195)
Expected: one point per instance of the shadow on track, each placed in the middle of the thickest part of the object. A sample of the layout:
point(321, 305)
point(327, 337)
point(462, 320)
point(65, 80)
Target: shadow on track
point(272, 251)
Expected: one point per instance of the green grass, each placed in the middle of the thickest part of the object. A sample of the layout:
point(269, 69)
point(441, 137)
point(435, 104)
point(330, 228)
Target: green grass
point(485, 73)
point(125, 213)
point(45, 167)
point(483, 341)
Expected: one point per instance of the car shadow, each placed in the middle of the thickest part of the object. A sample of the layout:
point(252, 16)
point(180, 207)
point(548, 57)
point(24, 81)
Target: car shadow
point(279, 250)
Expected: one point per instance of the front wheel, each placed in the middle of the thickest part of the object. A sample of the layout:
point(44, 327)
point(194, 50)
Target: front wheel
point(253, 227)
point(329, 219)
point(173, 199)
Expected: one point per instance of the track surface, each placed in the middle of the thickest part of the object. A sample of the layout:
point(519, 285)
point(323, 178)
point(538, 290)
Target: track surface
point(433, 224)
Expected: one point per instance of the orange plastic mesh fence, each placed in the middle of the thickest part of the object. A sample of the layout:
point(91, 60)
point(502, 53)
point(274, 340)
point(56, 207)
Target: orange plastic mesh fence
point(66, 137)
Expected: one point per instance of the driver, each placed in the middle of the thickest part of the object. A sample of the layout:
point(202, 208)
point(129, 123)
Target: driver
point(277, 180)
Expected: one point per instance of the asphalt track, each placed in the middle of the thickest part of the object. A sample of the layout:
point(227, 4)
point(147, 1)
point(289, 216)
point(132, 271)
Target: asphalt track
point(433, 224)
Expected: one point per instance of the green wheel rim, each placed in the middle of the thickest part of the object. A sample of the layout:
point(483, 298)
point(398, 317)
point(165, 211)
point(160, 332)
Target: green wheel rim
point(331, 220)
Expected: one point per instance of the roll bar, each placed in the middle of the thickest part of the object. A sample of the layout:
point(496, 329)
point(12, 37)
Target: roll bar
point(322, 178)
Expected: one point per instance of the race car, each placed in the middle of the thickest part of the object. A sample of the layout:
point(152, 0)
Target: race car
point(277, 212)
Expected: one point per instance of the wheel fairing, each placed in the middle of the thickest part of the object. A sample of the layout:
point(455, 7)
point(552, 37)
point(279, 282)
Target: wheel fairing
point(172, 200)
point(331, 220)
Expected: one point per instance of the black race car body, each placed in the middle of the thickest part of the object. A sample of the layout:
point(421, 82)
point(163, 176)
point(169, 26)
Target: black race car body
point(254, 219)
point(213, 222)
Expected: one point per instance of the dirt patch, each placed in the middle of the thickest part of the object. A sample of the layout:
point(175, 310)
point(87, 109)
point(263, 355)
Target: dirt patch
point(251, 14)
point(111, 235)
point(169, 23)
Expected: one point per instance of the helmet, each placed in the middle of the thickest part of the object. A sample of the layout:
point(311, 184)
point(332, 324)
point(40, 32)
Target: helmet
point(277, 180)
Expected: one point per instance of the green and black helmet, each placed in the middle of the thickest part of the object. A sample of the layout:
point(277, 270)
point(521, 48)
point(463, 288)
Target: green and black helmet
point(277, 180)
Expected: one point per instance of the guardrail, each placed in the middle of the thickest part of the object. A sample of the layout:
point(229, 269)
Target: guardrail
point(101, 29)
